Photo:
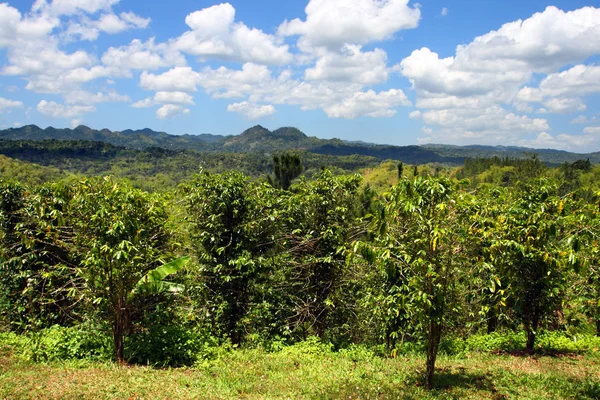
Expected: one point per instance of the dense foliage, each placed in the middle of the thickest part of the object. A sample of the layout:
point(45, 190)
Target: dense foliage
point(509, 247)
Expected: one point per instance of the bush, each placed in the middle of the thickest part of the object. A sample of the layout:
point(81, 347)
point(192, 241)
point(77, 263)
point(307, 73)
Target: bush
point(59, 343)
point(165, 346)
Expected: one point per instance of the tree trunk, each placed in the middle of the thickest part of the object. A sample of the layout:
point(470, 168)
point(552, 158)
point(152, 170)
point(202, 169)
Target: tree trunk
point(531, 332)
point(492, 321)
point(530, 341)
point(433, 342)
point(118, 331)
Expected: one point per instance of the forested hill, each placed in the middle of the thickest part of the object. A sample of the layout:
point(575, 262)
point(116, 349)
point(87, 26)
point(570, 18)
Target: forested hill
point(263, 141)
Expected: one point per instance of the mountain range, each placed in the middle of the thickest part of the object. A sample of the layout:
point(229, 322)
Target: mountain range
point(258, 139)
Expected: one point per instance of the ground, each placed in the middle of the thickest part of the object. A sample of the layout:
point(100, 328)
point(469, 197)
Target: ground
point(298, 374)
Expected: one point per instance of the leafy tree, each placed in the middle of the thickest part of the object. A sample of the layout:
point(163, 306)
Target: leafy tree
point(121, 234)
point(229, 237)
point(418, 248)
point(529, 251)
point(286, 168)
point(38, 265)
point(319, 227)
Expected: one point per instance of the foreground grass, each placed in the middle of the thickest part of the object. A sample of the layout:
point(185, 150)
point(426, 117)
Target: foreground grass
point(301, 373)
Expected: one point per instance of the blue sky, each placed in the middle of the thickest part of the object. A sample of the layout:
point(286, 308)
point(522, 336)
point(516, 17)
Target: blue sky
point(387, 71)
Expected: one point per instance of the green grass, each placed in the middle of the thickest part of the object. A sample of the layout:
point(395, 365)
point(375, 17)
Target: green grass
point(309, 372)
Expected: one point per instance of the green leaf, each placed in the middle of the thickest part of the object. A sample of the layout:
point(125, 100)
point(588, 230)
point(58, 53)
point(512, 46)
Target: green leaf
point(153, 280)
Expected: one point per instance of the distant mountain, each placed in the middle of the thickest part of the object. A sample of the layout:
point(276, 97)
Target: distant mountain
point(260, 140)
point(134, 139)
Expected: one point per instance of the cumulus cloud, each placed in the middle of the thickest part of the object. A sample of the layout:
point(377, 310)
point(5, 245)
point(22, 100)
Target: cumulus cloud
point(69, 7)
point(251, 111)
point(140, 55)
point(339, 99)
point(54, 110)
point(352, 65)
point(7, 103)
point(179, 79)
point(469, 96)
point(593, 130)
point(170, 111)
point(87, 29)
point(35, 45)
point(562, 92)
point(215, 34)
point(85, 97)
point(335, 23)
point(369, 103)
point(145, 103)
point(173, 98)
point(576, 143)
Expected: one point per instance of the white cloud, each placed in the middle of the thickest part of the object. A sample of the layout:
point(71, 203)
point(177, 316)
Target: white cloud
point(370, 104)
point(414, 114)
point(352, 65)
point(444, 12)
point(485, 78)
point(75, 123)
point(179, 79)
point(228, 83)
point(582, 119)
point(87, 29)
point(340, 99)
point(562, 92)
point(335, 23)
point(564, 105)
point(69, 7)
point(251, 111)
point(170, 111)
point(87, 98)
point(147, 102)
point(142, 56)
point(215, 34)
point(173, 98)
point(576, 143)
point(55, 110)
point(7, 103)
point(161, 98)
point(593, 130)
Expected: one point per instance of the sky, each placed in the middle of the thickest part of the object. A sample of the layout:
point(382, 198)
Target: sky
point(498, 72)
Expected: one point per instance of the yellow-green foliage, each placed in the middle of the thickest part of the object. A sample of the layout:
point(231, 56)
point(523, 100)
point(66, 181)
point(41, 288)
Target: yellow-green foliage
point(591, 179)
point(384, 176)
point(28, 173)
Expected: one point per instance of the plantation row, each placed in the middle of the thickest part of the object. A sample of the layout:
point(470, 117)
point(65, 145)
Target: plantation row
point(326, 257)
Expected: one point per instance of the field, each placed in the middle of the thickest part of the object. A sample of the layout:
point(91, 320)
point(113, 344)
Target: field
point(307, 372)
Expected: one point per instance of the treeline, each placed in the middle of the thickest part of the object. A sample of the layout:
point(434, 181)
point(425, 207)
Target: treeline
point(152, 169)
point(327, 257)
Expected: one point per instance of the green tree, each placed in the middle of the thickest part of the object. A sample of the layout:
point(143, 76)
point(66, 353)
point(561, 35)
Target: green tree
point(286, 168)
point(121, 234)
point(529, 251)
point(37, 261)
point(418, 250)
point(229, 236)
point(320, 225)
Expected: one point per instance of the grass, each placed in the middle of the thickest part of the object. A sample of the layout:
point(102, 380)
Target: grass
point(304, 372)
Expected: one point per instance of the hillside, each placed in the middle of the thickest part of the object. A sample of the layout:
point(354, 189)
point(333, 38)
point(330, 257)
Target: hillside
point(260, 140)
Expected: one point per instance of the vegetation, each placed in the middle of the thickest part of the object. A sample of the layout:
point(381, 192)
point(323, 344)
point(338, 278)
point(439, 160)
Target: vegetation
point(405, 268)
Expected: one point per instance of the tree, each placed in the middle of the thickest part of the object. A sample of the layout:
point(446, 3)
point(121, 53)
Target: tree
point(38, 263)
point(286, 168)
point(230, 232)
point(528, 249)
point(400, 170)
point(320, 223)
point(122, 236)
point(418, 250)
